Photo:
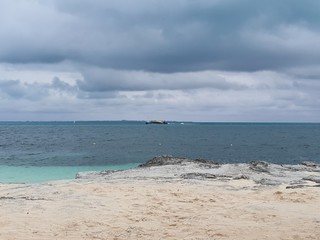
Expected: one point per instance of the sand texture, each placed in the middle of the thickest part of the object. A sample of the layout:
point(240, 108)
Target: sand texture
point(133, 207)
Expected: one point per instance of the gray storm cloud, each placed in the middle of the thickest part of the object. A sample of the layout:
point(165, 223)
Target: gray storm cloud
point(99, 80)
point(162, 36)
point(16, 89)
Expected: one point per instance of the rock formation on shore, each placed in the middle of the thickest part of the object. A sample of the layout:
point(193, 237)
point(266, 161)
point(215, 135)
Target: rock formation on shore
point(262, 173)
point(170, 160)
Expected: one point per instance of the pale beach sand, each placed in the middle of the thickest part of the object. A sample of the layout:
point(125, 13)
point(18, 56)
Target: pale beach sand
point(161, 208)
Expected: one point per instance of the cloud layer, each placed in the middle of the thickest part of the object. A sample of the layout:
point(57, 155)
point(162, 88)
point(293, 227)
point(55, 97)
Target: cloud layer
point(166, 36)
point(201, 60)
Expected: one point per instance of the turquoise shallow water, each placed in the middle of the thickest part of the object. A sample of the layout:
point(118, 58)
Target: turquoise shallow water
point(42, 151)
point(33, 174)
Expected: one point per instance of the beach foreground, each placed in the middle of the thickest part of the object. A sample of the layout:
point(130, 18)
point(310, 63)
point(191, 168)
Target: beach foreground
point(154, 202)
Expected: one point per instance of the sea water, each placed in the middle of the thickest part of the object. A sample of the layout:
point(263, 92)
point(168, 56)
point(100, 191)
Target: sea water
point(43, 151)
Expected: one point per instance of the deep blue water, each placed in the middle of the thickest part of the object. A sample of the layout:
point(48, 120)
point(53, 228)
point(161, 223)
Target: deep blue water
point(103, 144)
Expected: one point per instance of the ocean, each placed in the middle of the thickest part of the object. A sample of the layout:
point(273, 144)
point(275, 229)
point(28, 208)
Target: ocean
point(44, 151)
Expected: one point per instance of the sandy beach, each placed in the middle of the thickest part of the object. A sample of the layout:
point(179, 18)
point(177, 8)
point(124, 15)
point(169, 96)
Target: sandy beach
point(129, 206)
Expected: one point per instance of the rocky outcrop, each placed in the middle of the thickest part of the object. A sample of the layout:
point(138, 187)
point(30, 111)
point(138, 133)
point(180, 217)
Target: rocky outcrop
point(311, 164)
point(196, 175)
point(301, 186)
point(164, 160)
point(312, 179)
point(259, 166)
point(171, 168)
point(170, 160)
point(268, 181)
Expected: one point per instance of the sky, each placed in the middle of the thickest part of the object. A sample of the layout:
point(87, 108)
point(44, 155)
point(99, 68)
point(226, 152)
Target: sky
point(182, 60)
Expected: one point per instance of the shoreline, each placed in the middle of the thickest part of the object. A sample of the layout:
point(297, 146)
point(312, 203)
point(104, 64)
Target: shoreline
point(178, 199)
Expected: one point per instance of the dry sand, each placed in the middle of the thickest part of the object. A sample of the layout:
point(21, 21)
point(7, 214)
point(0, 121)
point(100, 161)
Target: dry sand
point(158, 209)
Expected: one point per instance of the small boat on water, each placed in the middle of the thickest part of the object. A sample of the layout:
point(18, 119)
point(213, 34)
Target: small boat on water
point(157, 122)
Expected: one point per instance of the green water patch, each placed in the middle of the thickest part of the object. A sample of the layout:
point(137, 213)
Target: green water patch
point(33, 174)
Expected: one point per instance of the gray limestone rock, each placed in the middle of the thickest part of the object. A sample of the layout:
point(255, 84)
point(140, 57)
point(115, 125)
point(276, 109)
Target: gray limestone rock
point(311, 164)
point(267, 181)
point(301, 186)
point(196, 175)
point(259, 166)
point(239, 177)
point(178, 168)
point(170, 160)
point(312, 178)
point(164, 160)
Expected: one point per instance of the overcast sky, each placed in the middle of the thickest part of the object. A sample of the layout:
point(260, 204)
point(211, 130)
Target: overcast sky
point(196, 60)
